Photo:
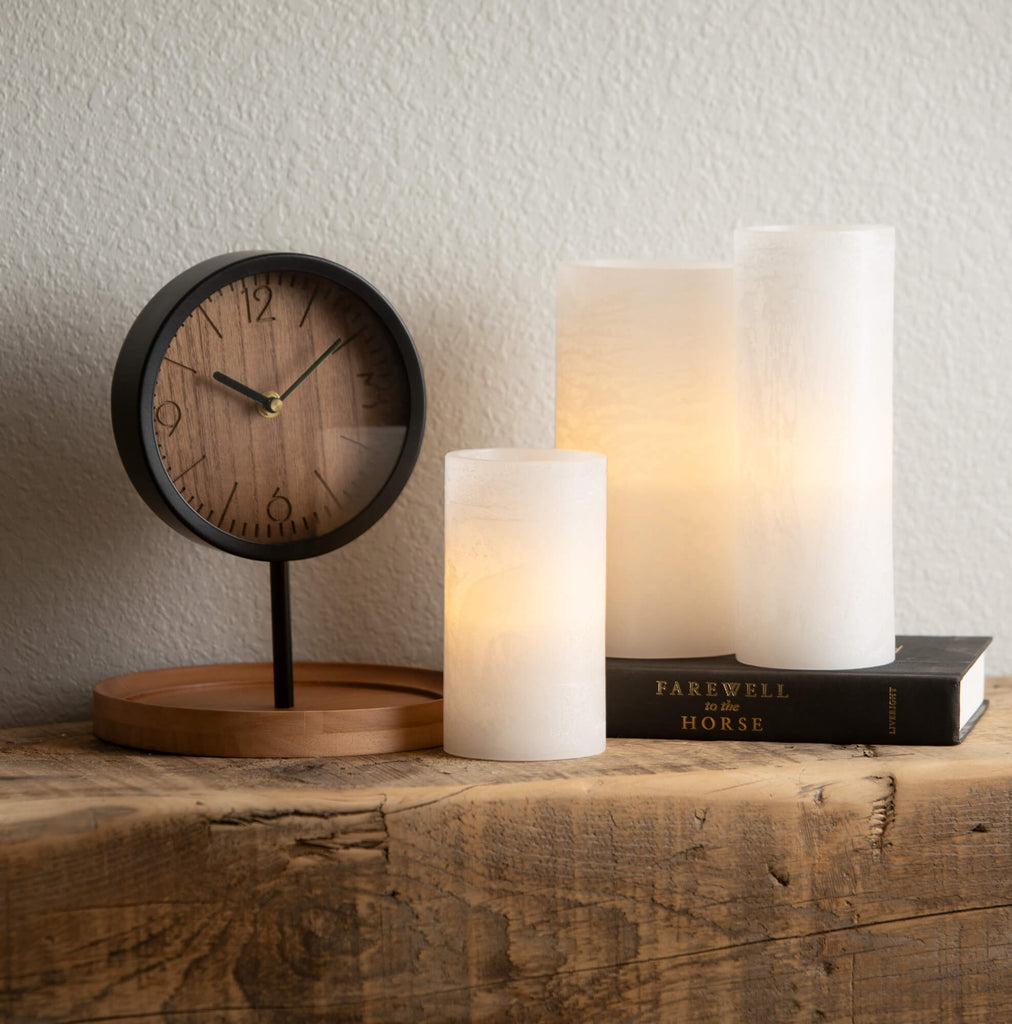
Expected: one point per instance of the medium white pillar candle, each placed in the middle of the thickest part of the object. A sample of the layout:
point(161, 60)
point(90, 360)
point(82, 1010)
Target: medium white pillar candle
point(645, 374)
point(523, 670)
point(814, 353)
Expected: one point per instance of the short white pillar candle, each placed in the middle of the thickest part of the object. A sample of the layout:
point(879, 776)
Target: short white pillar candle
point(814, 352)
point(524, 604)
point(645, 374)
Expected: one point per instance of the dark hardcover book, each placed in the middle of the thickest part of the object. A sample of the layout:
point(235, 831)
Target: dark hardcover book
point(932, 694)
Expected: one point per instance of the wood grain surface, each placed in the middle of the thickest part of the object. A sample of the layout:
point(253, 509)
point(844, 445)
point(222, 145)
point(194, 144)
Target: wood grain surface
point(340, 420)
point(660, 881)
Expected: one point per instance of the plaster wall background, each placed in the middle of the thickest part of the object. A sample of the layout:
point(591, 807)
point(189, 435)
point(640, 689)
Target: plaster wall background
point(453, 153)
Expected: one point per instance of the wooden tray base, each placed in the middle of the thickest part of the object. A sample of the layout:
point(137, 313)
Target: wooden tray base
point(228, 710)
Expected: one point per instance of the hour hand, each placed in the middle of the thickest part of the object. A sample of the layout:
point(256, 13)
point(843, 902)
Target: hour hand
point(269, 403)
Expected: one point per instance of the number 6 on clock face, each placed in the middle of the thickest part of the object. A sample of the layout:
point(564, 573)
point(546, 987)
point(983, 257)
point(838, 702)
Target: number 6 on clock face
point(270, 404)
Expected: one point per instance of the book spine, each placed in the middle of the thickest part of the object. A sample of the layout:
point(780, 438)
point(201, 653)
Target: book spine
point(655, 702)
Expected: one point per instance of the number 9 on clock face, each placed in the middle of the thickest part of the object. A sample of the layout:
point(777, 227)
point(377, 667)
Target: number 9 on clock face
point(269, 404)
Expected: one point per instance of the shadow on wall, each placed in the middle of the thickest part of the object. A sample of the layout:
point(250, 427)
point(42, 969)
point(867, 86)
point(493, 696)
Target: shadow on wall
point(86, 591)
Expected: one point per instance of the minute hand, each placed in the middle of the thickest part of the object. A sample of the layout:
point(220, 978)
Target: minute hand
point(316, 362)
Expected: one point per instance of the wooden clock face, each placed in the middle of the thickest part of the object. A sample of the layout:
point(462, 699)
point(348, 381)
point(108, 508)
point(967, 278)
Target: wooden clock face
point(282, 416)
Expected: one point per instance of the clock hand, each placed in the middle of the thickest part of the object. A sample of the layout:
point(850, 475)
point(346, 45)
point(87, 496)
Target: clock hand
point(271, 403)
point(316, 362)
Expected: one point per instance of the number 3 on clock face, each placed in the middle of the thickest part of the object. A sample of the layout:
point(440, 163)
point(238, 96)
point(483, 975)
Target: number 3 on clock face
point(270, 404)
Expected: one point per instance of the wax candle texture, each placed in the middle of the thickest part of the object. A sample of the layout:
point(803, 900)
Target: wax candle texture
point(814, 313)
point(524, 622)
point(645, 374)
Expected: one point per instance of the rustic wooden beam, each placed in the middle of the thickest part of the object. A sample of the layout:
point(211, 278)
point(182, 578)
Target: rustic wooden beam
point(661, 881)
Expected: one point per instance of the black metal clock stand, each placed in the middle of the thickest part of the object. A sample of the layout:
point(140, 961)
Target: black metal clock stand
point(281, 634)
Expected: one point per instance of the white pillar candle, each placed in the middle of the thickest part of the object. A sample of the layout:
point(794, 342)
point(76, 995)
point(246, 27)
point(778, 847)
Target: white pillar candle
point(814, 353)
point(645, 374)
point(523, 663)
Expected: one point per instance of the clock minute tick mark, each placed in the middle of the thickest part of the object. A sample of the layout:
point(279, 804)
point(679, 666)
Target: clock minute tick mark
point(326, 487)
point(176, 362)
point(214, 326)
point(231, 495)
point(176, 479)
point(316, 292)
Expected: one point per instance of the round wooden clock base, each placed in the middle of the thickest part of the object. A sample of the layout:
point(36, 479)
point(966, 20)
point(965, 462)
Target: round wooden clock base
point(228, 710)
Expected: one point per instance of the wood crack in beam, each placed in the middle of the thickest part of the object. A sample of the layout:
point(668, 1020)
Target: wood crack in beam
point(794, 937)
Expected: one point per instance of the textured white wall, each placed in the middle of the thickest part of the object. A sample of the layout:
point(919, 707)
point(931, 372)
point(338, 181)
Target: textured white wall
point(453, 153)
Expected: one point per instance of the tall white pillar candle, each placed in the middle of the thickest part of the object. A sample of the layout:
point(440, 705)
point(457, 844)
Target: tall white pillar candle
point(645, 374)
point(523, 670)
point(814, 354)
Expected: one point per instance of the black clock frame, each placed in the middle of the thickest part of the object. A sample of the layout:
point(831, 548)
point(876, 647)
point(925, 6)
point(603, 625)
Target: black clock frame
point(140, 359)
